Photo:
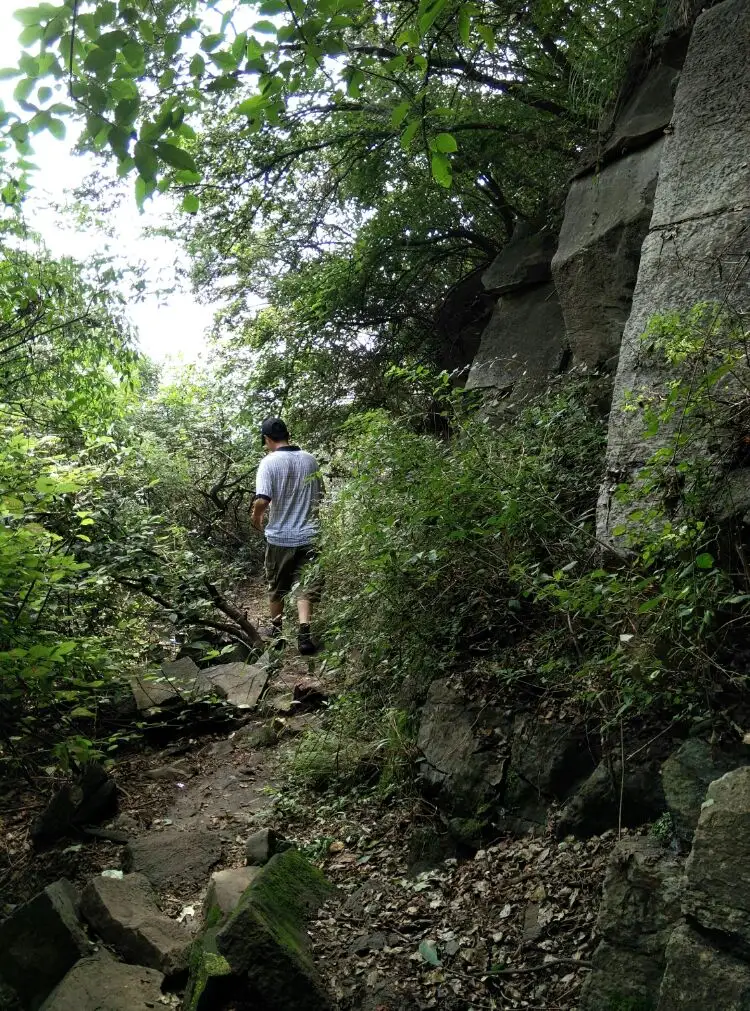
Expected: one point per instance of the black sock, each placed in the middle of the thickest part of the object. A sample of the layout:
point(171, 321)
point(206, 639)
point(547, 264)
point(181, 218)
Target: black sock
point(304, 628)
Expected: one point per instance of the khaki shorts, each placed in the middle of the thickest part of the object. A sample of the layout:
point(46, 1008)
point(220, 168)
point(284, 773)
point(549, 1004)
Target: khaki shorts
point(284, 568)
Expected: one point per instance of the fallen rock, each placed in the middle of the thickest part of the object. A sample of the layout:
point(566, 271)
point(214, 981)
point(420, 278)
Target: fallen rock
point(177, 682)
point(170, 773)
point(102, 984)
point(172, 857)
point(88, 801)
point(699, 976)
point(717, 872)
point(262, 845)
point(40, 941)
point(309, 693)
point(241, 684)
point(640, 907)
point(595, 806)
point(225, 890)
point(265, 941)
point(124, 913)
point(686, 775)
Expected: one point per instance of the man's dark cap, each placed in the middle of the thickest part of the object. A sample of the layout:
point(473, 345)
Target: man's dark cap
point(275, 429)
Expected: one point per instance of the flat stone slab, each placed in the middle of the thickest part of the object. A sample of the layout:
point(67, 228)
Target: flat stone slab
point(102, 984)
point(124, 913)
point(40, 941)
point(172, 857)
point(241, 684)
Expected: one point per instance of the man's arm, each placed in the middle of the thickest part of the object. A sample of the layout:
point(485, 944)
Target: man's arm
point(260, 505)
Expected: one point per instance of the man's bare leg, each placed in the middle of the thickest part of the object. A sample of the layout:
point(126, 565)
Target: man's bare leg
point(304, 611)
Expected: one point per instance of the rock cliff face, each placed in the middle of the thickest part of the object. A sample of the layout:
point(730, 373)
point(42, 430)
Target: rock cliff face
point(698, 245)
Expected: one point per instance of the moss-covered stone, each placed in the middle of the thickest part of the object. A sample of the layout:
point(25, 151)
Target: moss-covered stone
point(209, 975)
point(265, 940)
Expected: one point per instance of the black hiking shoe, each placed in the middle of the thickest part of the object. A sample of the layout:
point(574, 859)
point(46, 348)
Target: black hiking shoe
point(305, 643)
point(272, 633)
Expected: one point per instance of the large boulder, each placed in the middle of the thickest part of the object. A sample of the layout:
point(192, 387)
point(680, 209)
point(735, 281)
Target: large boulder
point(465, 748)
point(90, 799)
point(640, 906)
point(225, 889)
point(174, 858)
point(607, 799)
point(265, 941)
point(547, 761)
point(102, 984)
point(699, 976)
point(178, 681)
point(124, 913)
point(717, 893)
point(462, 317)
point(40, 941)
point(696, 252)
point(241, 684)
point(686, 775)
point(523, 345)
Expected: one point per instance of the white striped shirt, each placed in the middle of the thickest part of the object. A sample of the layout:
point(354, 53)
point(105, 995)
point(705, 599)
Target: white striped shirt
point(288, 477)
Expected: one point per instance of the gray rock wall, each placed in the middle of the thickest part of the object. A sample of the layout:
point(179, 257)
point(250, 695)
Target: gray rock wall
point(698, 244)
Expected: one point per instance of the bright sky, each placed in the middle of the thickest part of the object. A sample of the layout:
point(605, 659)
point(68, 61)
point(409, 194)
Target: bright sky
point(170, 329)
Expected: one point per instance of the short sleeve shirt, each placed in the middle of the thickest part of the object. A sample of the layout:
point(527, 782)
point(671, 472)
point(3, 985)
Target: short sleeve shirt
point(289, 479)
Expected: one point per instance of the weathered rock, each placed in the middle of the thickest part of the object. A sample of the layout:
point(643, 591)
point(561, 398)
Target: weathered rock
point(225, 890)
point(699, 976)
point(124, 913)
point(241, 684)
point(89, 800)
point(523, 344)
point(466, 749)
point(686, 776)
point(525, 261)
point(646, 113)
point(40, 941)
point(265, 941)
point(717, 872)
point(596, 264)
point(640, 906)
point(595, 806)
point(170, 773)
point(547, 761)
point(173, 857)
point(262, 845)
point(462, 317)
point(177, 682)
point(102, 984)
point(695, 252)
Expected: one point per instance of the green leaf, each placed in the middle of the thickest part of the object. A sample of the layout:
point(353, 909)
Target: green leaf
point(98, 59)
point(487, 36)
point(400, 113)
point(265, 27)
point(409, 133)
point(146, 160)
point(197, 65)
point(191, 203)
point(704, 561)
point(445, 143)
point(23, 89)
point(176, 157)
point(135, 54)
point(113, 40)
point(354, 85)
point(211, 42)
point(464, 25)
point(441, 169)
point(57, 128)
point(428, 951)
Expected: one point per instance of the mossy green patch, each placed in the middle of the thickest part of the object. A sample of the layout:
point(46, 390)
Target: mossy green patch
point(206, 964)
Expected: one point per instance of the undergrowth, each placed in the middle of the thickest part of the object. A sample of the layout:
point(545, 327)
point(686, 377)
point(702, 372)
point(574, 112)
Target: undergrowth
point(478, 555)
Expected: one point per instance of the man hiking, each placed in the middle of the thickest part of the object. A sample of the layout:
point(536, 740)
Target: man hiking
point(288, 480)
